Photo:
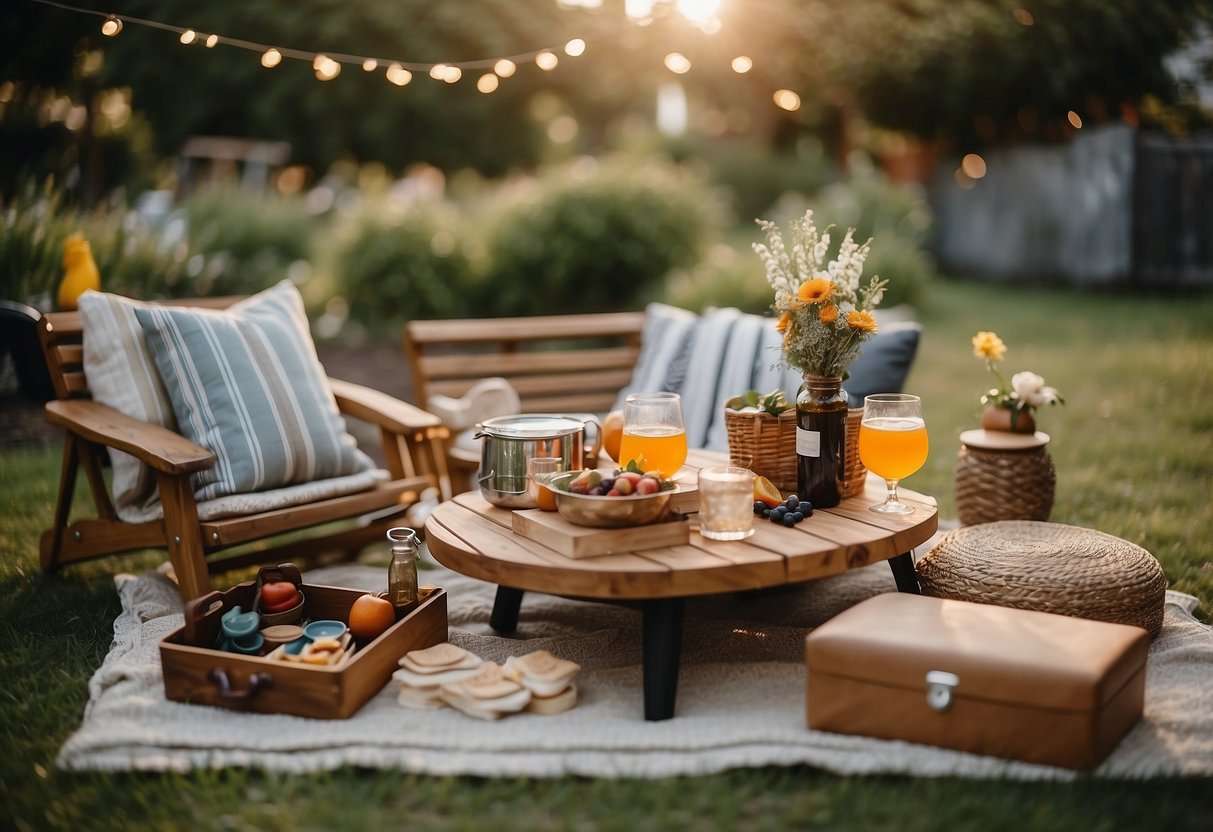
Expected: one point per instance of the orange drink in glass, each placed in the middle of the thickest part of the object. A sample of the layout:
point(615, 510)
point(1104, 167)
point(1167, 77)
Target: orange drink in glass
point(652, 428)
point(892, 443)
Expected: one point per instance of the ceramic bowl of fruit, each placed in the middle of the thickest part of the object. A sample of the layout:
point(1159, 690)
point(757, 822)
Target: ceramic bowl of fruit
point(611, 499)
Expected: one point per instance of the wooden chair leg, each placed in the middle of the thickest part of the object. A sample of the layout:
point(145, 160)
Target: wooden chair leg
point(184, 539)
point(49, 556)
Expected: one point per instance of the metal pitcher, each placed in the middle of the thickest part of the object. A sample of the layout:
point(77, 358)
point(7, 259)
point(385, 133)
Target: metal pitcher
point(509, 443)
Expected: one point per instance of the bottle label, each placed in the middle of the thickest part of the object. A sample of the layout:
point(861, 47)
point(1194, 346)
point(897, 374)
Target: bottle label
point(808, 443)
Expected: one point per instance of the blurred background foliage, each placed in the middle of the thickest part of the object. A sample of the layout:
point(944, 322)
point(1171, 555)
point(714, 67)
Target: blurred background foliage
point(555, 192)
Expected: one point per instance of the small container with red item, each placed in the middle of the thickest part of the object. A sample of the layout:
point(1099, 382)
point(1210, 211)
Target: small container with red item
point(279, 598)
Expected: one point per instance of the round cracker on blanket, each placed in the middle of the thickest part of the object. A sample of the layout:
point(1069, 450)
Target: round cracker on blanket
point(562, 701)
point(440, 657)
point(489, 682)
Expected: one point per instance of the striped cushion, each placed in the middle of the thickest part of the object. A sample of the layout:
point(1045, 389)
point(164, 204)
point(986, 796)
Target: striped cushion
point(122, 375)
point(245, 384)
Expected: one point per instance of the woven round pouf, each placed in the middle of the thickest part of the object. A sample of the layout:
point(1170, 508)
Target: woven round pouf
point(1003, 476)
point(1047, 567)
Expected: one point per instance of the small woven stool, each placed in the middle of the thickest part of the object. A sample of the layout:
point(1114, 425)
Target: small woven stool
point(1047, 567)
point(1003, 476)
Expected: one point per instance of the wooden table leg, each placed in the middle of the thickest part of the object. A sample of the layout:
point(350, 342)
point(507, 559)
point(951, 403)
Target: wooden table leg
point(505, 609)
point(904, 574)
point(662, 651)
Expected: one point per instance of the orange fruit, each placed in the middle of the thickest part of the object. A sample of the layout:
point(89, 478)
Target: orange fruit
point(766, 492)
point(612, 433)
point(370, 616)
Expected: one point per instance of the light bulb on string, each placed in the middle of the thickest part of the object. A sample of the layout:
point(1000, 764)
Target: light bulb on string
point(505, 68)
point(326, 68)
point(211, 41)
point(677, 63)
point(271, 58)
point(398, 75)
point(188, 36)
point(111, 27)
point(370, 65)
point(786, 100)
point(452, 74)
point(438, 72)
point(742, 64)
point(575, 48)
point(487, 83)
point(546, 60)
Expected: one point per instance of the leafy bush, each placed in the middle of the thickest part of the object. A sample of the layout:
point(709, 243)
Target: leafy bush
point(602, 241)
point(32, 231)
point(393, 266)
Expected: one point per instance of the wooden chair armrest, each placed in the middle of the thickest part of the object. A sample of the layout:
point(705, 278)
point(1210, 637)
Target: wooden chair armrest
point(159, 447)
point(380, 409)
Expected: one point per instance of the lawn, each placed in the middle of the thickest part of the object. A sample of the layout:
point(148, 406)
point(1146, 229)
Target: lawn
point(1133, 448)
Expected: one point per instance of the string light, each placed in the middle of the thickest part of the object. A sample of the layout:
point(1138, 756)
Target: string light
point(505, 67)
point(787, 100)
point(742, 64)
point(1075, 120)
point(188, 36)
point(546, 60)
point(677, 63)
point(487, 83)
point(575, 48)
point(212, 41)
point(398, 75)
point(111, 27)
point(973, 166)
point(370, 65)
point(270, 58)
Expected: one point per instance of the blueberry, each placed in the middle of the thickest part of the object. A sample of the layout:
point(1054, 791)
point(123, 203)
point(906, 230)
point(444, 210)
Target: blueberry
point(808, 512)
point(796, 516)
point(792, 502)
point(792, 498)
point(766, 512)
point(776, 517)
point(789, 520)
point(759, 506)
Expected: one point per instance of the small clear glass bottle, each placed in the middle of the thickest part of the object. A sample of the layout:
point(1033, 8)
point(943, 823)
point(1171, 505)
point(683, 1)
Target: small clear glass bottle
point(402, 570)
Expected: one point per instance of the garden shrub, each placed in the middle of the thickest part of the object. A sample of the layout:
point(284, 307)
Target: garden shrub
point(394, 266)
point(596, 242)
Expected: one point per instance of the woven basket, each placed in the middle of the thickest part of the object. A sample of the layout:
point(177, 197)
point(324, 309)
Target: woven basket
point(766, 445)
point(1004, 485)
point(1047, 567)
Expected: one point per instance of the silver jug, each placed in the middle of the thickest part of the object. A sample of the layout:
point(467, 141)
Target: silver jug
point(509, 443)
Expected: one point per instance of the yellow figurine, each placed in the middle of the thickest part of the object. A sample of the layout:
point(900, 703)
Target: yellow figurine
point(80, 271)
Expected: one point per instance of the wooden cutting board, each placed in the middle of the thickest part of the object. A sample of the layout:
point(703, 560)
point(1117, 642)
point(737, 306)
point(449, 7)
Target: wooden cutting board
point(571, 540)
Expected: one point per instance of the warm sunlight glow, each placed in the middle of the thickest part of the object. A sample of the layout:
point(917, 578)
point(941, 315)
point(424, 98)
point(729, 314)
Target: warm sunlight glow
point(398, 75)
point(505, 68)
point(271, 58)
point(698, 11)
point(487, 83)
point(787, 100)
point(742, 64)
point(677, 63)
point(546, 61)
point(973, 166)
point(575, 48)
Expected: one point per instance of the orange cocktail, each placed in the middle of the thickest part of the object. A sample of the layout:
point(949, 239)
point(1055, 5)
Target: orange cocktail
point(893, 447)
point(664, 448)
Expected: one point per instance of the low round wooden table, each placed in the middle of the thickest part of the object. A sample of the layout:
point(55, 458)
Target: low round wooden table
point(476, 539)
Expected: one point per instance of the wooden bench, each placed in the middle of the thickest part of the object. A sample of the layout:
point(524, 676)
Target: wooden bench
point(556, 363)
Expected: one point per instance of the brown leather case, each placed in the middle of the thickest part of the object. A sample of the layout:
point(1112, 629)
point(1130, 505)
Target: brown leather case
point(1011, 683)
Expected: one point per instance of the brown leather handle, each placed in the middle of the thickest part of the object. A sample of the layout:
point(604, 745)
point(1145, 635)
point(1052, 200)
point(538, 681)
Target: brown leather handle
point(281, 572)
point(229, 695)
point(195, 611)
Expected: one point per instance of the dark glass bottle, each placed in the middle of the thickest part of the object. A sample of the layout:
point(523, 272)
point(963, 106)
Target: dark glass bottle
point(821, 434)
point(402, 570)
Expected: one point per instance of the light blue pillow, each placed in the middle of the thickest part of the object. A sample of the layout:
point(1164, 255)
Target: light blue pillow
point(245, 384)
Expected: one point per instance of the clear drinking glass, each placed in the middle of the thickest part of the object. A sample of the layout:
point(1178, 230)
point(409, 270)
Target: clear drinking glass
point(893, 443)
point(652, 428)
point(726, 503)
point(540, 470)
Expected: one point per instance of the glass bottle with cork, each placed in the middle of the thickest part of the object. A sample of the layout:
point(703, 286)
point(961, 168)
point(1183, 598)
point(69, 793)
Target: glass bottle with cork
point(402, 570)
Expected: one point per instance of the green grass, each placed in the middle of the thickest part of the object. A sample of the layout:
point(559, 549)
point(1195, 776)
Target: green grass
point(1133, 448)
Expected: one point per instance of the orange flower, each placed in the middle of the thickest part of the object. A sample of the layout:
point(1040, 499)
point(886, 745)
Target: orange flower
point(784, 323)
point(861, 321)
point(828, 313)
point(815, 290)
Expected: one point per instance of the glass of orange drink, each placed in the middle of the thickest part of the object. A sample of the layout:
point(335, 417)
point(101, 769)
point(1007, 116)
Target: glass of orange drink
point(653, 429)
point(892, 443)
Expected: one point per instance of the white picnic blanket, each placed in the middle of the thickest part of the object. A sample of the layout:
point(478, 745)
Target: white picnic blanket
point(741, 698)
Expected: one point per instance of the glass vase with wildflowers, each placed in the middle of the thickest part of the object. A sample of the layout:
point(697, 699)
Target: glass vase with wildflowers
point(1027, 390)
point(824, 311)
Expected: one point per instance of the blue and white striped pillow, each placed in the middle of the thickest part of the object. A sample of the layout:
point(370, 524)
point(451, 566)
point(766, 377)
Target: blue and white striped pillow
point(245, 384)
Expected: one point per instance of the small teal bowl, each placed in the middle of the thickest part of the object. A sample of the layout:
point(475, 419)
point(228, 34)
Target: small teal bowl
point(249, 644)
point(324, 628)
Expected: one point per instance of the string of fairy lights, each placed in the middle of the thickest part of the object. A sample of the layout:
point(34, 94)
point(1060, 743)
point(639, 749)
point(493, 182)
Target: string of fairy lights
point(492, 71)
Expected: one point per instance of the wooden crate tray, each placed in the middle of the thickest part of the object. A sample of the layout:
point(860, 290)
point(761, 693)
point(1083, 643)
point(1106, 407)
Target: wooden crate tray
point(208, 676)
point(571, 540)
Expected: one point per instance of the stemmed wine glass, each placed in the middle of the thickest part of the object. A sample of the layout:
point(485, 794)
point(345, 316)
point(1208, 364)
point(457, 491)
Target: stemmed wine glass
point(653, 428)
point(892, 443)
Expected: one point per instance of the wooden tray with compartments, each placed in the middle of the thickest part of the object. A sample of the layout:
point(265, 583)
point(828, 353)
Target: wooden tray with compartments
point(196, 671)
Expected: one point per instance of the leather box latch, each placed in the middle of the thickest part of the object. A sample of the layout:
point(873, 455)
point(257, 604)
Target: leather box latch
point(941, 686)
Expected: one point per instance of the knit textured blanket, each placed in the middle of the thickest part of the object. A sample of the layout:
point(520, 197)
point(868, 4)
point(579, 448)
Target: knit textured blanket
point(741, 698)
